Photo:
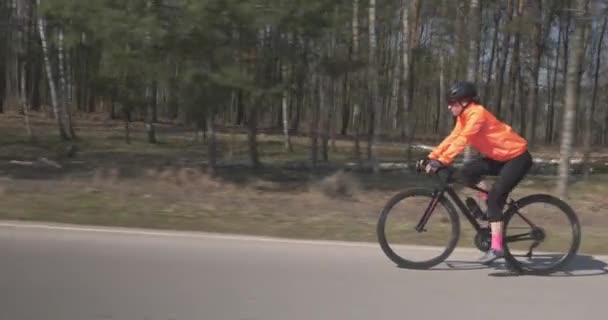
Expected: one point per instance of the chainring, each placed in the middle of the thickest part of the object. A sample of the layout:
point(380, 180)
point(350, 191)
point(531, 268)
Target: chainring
point(483, 240)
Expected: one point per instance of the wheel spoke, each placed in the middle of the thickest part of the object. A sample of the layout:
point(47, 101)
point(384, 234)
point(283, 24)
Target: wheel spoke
point(415, 217)
point(550, 226)
point(530, 223)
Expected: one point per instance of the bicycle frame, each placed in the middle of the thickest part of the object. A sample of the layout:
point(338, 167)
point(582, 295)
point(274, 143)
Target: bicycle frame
point(446, 188)
point(451, 193)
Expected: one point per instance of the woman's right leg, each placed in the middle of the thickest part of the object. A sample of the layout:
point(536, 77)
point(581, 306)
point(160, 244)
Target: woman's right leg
point(472, 172)
point(511, 174)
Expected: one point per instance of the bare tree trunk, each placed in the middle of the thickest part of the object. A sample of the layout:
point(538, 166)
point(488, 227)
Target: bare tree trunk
point(604, 133)
point(21, 53)
point(551, 112)
point(517, 81)
point(444, 115)
point(332, 119)
point(70, 82)
point(150, 111)
point(505, 56)
point(21, 9)
point(24, 106)
point(356, 79)
point(375, 105)
point(589, 114)
point(395, 83)
point(63, 97)
point(473, 59)
point(459, 67)
point(474, 34)
point(252, 123)
point(521, 88)
point(287, 139)
point(316, 99)
point(212, 144)
point(513, 79)
point(4, 38)
point(323, 123)
point(346, 101)
point(583, 105)
point(35, 78)
point(127, 117)
point(330, 104)
point(570, 99)
point(493, 52)
point(405, 73)
point(558, 125)
point(2, 78)
point(540, 29)
point(51, 81)
point(412, 40)
point(13, 53)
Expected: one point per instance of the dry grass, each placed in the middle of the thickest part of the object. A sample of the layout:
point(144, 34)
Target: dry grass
point(339, 185)
point(164, 186)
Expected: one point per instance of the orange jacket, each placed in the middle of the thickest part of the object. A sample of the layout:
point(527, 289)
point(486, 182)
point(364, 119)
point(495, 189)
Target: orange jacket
point(479, 128)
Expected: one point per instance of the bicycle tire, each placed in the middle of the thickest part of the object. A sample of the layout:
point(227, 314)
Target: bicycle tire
point(409, 264)
point(574, 226)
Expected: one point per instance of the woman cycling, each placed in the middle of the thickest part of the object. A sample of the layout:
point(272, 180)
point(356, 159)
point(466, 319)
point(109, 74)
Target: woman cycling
point(505, 155)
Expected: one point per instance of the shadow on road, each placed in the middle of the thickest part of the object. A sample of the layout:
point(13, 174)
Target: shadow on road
point(456, 265)
point(459, 265)
point(580, 266)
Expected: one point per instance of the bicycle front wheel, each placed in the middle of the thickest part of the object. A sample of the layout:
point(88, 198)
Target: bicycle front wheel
point(417, 232)
point(541, 234)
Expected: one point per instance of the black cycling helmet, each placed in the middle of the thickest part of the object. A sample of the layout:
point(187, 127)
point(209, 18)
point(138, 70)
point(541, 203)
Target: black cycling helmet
point(462, 91)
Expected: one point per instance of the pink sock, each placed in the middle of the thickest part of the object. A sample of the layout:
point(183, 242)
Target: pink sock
point(497, 241)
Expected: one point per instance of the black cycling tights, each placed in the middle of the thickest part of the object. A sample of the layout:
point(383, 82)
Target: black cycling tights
point(509, 173)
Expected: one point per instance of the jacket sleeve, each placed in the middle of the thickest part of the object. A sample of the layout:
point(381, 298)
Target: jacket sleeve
point(440, 149)
point(471, 127)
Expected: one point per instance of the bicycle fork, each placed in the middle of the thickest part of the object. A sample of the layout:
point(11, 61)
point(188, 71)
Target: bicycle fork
point(429, 210)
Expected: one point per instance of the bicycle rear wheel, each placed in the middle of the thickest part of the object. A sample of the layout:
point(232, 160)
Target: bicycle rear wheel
point(541, 234)
point(397, 229)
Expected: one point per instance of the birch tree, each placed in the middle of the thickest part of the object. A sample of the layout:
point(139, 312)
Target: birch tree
point(541, 31)
point(63, 92)
point(49, 75)
point(473, 59)
point(590, 112)
point(375, 105)
point(356, 84)
point(571, 97)
point(284, 100)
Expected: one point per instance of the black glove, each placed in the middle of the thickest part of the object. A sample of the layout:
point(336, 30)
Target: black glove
point(434, 165)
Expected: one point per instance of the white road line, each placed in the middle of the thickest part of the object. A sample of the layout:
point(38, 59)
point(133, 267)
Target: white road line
point(163, 233)
point(215, 236)
point(199, 235)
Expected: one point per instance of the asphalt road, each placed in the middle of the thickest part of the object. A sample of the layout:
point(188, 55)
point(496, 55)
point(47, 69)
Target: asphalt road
point(51, 272)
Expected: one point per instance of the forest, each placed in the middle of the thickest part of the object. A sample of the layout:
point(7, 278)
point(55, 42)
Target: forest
point(366, 72)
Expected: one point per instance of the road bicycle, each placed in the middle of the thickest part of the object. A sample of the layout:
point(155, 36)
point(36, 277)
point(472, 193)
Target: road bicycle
point(521, 248)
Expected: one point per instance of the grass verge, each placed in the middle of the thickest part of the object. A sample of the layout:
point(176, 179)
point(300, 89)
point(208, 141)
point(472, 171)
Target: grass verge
point(164, 186)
